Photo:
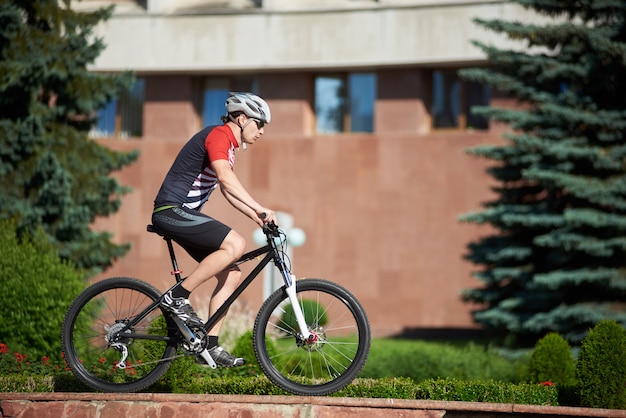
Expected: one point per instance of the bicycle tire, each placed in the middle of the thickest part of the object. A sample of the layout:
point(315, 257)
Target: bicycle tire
point(326, 365)
point(95, 315)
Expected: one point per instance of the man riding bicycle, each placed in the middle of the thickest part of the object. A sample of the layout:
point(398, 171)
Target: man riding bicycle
point(205, 161)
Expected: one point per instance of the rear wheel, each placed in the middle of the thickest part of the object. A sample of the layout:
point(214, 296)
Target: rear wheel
point(107, 354)
point(335, 355)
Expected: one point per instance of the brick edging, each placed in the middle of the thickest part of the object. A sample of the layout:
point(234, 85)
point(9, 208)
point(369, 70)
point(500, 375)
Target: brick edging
point(333, 402)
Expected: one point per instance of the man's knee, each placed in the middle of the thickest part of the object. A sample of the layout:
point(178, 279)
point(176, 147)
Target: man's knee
point(235, 244)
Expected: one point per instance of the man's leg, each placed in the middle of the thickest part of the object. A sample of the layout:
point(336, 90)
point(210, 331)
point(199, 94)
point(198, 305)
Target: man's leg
point(219, 264)
point(227, 282)
point(231, 249)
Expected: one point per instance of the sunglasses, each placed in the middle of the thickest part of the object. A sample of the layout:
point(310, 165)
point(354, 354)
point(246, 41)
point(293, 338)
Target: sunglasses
point(259, 123)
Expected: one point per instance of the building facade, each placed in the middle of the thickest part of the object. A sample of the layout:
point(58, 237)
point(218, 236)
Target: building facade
point(366, 151)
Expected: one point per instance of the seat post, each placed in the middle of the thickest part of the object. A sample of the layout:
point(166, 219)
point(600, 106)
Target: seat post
point(176, 271)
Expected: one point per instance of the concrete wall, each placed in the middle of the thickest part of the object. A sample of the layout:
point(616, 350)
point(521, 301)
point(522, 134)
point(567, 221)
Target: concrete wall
point(172, 36)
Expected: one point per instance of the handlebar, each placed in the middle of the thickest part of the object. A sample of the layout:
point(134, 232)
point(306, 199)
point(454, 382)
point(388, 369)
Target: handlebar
point(270, 228)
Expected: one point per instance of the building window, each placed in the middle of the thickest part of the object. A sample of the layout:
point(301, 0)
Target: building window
point(453, 99)
point(362, 90)
point(122, 117)
point(216, 91)
point(345, 102)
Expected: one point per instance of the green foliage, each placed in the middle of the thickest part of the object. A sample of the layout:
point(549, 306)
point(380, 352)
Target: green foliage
point(24, 383)
point(601, 367)
point(552, 361)
point(487, 391)
point(179, 378)
point(184, 377)
point(243, 348)
point(389, 387)
point(186, 374)
point(556, 258)
point(38, 288)
point(51, 174)
point(258, 385)
point(421, 360)
point(313, 313)
point(392, 388)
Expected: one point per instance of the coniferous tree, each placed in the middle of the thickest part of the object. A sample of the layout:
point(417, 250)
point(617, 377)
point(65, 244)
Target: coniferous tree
point(51, 173)
point(557, 258)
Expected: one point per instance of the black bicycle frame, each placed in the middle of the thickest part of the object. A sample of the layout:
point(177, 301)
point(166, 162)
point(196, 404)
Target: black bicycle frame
point(271, 253)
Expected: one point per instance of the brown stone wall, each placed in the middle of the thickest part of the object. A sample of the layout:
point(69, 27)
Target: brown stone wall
point(379, 210)
point(403, 101)
point(380, 215)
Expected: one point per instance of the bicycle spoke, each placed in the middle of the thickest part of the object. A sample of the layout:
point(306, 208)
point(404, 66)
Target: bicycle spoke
point(335, 354)
point(104, 346)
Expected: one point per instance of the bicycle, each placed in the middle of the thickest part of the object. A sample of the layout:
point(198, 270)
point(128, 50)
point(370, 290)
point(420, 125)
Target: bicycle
point(310, 337)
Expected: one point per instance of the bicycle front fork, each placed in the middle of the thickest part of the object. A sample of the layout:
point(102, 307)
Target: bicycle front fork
point(297, 309)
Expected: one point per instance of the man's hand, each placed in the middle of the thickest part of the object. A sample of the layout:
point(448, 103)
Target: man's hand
point(266, 216)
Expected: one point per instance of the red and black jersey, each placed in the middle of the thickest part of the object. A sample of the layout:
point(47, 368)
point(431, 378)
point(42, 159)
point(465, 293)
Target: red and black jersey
point(191, 179)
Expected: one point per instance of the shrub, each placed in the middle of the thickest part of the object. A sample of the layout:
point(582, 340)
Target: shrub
point(390, 388)
point(243, 348)
point(601, 367)
point(38, 289)
point(552, 361)
point(179, 378)
point(26, 384)
point(421, 360)
point(487, 391)
point(313, 312)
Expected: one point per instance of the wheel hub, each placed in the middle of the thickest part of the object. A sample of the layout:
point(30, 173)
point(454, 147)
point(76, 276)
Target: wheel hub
point(113, 333)
point(316, 340)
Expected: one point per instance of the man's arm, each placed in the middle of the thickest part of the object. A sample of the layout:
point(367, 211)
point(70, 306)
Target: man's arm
point(240, 206)
point(238, 196)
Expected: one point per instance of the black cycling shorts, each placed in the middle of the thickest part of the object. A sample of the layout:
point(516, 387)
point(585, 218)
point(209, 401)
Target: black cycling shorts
point(197, 233)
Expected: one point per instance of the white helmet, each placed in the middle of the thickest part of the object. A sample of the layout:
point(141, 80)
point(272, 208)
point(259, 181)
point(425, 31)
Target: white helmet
point(253, 106)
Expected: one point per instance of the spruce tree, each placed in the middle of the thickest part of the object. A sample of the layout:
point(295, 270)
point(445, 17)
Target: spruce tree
point(556, 260)
point(51, 173)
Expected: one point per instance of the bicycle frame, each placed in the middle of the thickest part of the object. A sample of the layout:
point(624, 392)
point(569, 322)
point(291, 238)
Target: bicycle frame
point(113, 320)
point(271, 254)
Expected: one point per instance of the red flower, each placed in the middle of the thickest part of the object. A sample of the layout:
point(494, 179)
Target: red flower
point(547, 383)
point(3, 348)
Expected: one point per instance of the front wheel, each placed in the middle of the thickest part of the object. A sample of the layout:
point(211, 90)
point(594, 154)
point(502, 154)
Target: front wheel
point(112, 341)
point(335, 355)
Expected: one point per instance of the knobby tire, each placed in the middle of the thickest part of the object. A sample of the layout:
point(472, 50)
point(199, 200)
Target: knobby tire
point(329, 363)
point(93, 317)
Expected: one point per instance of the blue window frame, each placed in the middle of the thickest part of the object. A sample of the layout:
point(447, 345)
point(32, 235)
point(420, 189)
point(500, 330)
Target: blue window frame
point(453, 100)
point(345, 102)
point(362, 90)
point(215, 93)
point(122, 117)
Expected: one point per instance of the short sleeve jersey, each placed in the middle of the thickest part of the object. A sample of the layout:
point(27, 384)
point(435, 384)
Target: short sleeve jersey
point(191, 179)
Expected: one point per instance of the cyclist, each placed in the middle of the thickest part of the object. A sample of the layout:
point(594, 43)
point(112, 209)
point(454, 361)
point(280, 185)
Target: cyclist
point(203, 163)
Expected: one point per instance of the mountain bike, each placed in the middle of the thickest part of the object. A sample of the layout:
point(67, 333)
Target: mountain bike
point(310, 337)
